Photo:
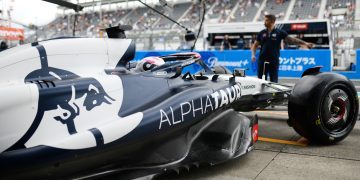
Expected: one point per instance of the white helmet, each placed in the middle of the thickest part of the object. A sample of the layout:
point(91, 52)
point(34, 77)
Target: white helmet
point(148, 63)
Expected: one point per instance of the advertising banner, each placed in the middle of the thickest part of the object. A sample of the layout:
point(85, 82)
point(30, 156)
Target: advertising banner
point(7, 33)
point(292, 62)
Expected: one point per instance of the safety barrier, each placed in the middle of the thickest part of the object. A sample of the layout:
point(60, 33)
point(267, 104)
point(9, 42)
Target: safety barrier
point(292, 62)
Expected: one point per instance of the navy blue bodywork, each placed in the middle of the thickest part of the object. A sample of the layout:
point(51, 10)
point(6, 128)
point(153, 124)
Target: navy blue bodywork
point(182, 125)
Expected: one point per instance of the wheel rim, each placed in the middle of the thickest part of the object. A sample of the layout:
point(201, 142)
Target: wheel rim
point(335, 111)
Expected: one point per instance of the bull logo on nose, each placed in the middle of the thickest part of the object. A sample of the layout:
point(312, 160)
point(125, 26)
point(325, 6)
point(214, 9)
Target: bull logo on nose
point(96, 95)
point(60, 92)
point(70, 107)
point(67, 87)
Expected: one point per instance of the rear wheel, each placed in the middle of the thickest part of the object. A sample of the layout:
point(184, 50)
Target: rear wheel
point(327, 112)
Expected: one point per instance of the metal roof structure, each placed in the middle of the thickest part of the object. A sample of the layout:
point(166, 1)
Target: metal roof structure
point(103, 2)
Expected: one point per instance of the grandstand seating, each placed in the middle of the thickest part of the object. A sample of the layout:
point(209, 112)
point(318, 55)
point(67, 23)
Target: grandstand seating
point(113, 17)
point(188, 13)
point(347, 6)
point(221, 10)
point(192, 16)
point(278, 8)
point(246, 10)
point(148, 19)
point(178, 11)
point(335, 4)
point(88, 24)
point(135, 15)
point(305, 9)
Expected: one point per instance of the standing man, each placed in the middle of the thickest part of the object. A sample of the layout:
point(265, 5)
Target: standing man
point(270, 40)
point(225, 44)
point(240, 43)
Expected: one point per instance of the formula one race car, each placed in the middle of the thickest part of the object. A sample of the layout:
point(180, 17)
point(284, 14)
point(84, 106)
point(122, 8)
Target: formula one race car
point(72, 108)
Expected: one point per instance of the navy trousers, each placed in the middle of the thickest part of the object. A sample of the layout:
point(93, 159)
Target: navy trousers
point(271, 68)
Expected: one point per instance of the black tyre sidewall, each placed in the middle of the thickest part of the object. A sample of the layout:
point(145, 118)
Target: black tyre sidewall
point(305, 118)
point(318, 130)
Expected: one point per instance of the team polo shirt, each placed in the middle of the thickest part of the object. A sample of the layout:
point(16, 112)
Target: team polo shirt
point(270, 44)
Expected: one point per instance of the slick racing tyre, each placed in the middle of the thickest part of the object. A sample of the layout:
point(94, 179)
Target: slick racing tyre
point(323, 107)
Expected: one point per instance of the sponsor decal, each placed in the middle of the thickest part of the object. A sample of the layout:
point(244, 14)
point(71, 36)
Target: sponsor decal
point(209, 58)
point(296, 63)
point(240, 63)
point(11, 33)
point(197, 107)
point(212, 61)
point(160, 73)
point(302, 26)
point(249, 87)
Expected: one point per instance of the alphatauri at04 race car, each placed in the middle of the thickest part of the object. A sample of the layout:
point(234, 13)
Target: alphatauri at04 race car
point(73, 108)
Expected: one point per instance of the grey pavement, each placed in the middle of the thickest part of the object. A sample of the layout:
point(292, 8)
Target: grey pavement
point(281, 161)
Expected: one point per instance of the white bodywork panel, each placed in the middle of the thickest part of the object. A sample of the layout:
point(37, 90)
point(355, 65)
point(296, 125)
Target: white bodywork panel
point(20, 101)
point(116, 50)
point(17, 112)
point(252, 85)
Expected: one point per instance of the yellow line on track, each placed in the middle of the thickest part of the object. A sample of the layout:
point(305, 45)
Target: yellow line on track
point(300, 142)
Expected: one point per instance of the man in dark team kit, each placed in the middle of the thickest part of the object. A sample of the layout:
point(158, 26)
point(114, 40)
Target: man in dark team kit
point(270, 41)
point(225, 44)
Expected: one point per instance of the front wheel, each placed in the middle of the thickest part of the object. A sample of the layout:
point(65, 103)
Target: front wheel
point(323, 107)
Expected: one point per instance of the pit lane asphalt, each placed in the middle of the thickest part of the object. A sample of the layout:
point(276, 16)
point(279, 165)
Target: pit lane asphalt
point(273, 160)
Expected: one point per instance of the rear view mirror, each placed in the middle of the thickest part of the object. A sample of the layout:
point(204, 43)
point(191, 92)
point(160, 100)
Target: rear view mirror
point(239, 72)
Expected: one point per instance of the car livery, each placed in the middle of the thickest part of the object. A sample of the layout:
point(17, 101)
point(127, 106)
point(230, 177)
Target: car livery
point(74, 108)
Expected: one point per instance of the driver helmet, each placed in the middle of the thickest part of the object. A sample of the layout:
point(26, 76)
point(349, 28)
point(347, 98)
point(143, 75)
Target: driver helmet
point(149, 63)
